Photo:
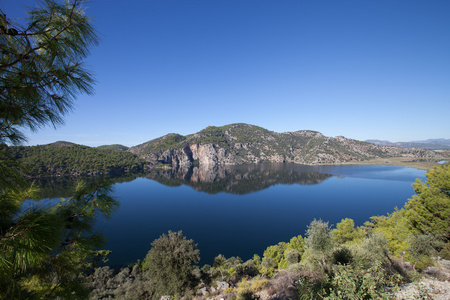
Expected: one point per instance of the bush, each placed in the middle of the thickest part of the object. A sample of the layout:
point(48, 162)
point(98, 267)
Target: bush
point(244, 291)
point(311, 285)
point(445, 252)
point(420, 248)
point(259, 284)
point(293, 256)
point(342, 256)
point(352, 283)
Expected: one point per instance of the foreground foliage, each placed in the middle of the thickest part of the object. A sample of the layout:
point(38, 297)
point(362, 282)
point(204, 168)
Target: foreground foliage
point(41, 67)
point(45, 248)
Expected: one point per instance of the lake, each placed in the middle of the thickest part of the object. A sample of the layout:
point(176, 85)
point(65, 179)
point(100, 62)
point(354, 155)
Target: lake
point(240, 211)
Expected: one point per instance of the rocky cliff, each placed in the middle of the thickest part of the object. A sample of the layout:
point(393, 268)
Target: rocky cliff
point(237, 144)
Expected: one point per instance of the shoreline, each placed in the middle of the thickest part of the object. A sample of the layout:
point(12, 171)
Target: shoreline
point(410, 162)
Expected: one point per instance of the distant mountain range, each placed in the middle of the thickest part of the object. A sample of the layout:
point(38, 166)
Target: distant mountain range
point(431, 144)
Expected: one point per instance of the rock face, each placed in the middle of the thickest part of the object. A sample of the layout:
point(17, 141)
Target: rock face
point(242, 144)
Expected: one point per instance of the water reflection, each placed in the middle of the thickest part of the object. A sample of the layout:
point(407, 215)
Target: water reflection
point(241, 180)
point(64, 187)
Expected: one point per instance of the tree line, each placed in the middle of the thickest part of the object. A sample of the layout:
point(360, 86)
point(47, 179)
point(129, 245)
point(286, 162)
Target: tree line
point(73, 160)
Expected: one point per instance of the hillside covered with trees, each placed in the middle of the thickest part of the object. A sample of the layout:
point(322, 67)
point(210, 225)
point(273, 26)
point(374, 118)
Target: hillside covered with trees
point(68, 159)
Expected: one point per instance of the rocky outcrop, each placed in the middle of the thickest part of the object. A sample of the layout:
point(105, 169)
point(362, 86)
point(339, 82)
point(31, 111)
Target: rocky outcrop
point(237, 144)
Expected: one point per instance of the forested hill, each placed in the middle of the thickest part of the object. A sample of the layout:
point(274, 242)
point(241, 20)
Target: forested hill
point(244, 143)
point(68, 159)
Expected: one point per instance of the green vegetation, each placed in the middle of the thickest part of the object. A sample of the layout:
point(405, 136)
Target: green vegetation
point(429, 209)
point(73, 160)
point(282, 255)
point(45, 250)
point(162, 144)
point(41, 67)
point(170, 264)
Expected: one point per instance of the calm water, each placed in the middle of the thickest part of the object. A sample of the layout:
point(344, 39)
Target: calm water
point(240, 211)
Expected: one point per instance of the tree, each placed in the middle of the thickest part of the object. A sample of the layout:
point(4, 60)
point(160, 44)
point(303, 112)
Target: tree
point(170, 264)
point(44, 249)
point(41, 67)
point(319, 241)
point(420, 247)
point(345, 231)
point(395, 228)
point(219, 264)
point(428, 211)
point(268, 266)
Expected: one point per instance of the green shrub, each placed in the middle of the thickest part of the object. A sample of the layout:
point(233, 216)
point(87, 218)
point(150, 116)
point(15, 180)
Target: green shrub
point(292, 256)
point(353, 283)
point(244, 291)
point(312, 285)
point(445, 252)
point(259, 284)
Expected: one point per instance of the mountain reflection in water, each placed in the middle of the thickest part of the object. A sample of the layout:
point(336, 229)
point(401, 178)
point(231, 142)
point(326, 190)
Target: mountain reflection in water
point(240, 180)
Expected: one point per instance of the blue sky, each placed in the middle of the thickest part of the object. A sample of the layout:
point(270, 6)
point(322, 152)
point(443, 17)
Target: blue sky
point(362, 69)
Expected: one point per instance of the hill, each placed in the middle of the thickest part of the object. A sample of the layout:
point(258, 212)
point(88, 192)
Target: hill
point(114, 147)
point(69, 159)
point(240, 143)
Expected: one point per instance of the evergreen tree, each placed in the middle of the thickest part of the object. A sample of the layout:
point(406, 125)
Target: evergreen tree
point(429, 209)
point(41, 67)
point(170, 265)
point(44, 248)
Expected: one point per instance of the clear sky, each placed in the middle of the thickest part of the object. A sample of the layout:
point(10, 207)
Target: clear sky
point(375, 69)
